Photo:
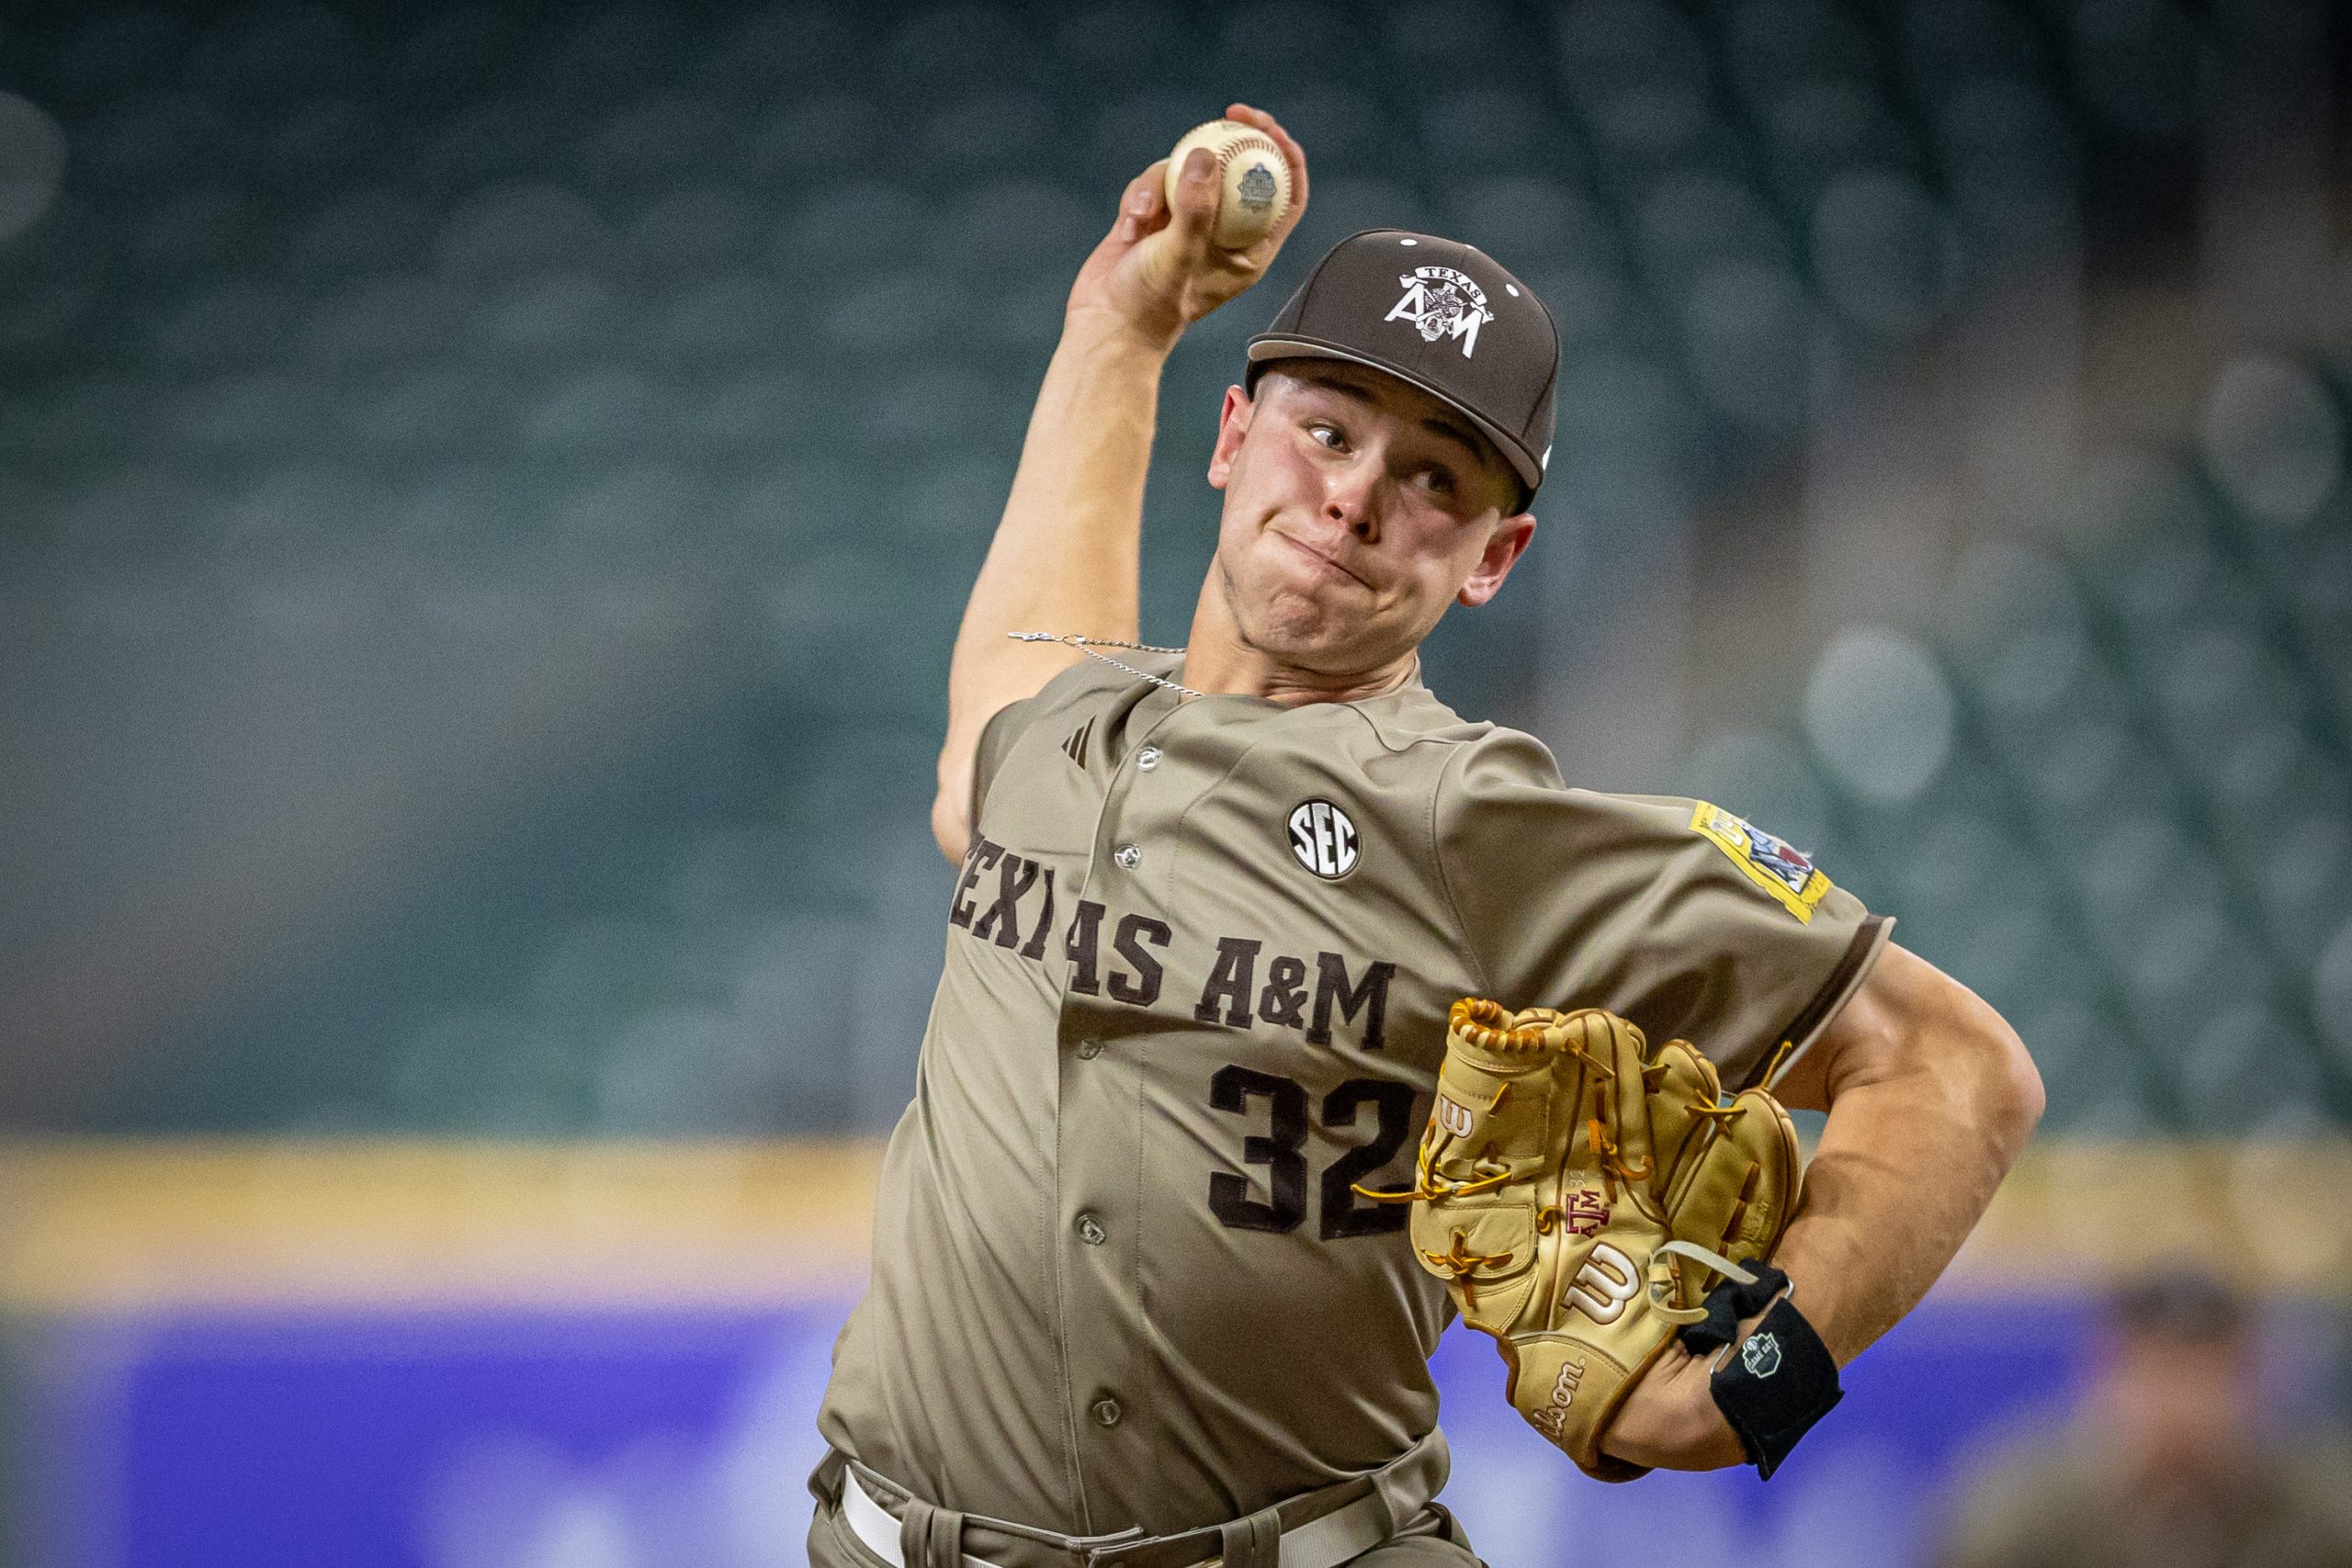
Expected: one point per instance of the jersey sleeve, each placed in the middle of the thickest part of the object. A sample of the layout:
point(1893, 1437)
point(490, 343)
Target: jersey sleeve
point(1003, 727)
point(1674, 913)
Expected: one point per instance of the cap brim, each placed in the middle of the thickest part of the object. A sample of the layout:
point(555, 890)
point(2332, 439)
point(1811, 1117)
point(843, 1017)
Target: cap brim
point(1514, 452)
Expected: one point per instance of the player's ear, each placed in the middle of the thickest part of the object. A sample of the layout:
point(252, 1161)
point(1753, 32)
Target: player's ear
point(1504, 547)
point(1232, 424)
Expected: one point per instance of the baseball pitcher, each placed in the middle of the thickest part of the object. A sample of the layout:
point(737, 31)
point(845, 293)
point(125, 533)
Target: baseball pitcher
point(1286, 1014)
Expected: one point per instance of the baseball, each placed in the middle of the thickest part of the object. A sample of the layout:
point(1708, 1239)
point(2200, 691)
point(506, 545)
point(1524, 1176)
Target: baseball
point(1256, 189)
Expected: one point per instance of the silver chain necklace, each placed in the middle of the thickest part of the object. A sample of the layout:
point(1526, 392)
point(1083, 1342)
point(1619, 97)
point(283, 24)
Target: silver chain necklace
point(1087, 645)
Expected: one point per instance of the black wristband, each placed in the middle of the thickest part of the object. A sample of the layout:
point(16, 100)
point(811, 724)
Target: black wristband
point(1728, 1304)
point(1776, 1386)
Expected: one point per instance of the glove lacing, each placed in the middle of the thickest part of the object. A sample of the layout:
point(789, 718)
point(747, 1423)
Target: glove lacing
point(1428, 1184)
point(1485, 1024)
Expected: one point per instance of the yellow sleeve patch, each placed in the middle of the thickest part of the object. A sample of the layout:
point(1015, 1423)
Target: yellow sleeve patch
point(1787, 874)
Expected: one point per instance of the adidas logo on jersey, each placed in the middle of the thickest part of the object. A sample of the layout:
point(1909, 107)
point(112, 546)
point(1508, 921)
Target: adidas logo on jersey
point(1074, 747)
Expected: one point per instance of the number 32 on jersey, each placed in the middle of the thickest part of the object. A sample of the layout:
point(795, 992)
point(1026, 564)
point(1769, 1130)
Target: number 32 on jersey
point(1282, 1149)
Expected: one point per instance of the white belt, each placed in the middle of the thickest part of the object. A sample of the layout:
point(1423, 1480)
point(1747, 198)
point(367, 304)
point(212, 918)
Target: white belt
point(1320, 1543)
point(873, 1525)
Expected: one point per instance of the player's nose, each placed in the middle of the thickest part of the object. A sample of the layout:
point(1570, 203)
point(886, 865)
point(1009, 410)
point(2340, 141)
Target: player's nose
point(1352, 499)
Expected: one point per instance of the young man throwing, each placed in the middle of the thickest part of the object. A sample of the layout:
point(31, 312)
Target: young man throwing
point(1128, 1305)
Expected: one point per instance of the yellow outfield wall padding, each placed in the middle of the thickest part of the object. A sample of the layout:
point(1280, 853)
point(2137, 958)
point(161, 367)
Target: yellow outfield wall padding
point(105, 1227)
point(2274, 1218)
point(126, 1225)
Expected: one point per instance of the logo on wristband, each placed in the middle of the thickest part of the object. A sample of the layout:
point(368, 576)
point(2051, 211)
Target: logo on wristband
point(1761, 1355)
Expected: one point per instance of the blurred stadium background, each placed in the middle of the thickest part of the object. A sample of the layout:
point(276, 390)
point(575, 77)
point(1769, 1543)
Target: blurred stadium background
point(486, 492)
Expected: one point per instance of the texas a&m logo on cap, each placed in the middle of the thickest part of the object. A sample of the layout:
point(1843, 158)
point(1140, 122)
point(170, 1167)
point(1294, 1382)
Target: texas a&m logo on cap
point(1323, 839)
point(1441, 302)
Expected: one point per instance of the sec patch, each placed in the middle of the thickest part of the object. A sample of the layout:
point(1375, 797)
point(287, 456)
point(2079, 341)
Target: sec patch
point(1772, 863)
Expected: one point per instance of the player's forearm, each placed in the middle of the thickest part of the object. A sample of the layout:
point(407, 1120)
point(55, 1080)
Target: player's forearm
point(1932, 1099)
point(1067, 553)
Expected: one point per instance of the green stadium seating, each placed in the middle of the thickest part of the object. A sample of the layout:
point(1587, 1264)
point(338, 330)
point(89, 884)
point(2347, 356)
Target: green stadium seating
point(438, 327)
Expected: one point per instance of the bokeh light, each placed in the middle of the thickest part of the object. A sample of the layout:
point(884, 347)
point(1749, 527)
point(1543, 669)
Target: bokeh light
point(1878, 714)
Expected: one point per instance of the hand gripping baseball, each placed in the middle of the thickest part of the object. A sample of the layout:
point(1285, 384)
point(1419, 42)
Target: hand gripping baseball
point(1581, 1194)
point(1158, 270)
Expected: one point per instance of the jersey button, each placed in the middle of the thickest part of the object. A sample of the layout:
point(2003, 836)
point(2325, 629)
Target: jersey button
point(1147, 759)
point(1106, 1413)
point(1089, 1049)
point(1091, 1231)
point(1129, 856)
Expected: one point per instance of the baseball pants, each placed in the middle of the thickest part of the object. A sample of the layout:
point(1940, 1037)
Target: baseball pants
point(1433, 1540)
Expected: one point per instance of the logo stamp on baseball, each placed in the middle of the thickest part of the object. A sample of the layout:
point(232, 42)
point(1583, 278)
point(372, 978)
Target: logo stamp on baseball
point(1253, 191)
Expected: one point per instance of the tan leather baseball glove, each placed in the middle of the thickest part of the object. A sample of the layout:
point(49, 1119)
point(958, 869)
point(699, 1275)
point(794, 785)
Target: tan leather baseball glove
point(1580, 1195)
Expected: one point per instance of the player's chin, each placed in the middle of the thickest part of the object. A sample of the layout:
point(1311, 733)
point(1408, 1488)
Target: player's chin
point(1311, 631)
point(1319, 600)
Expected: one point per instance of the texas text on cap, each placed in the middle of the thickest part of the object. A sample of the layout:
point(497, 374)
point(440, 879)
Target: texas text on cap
point(1442, 315)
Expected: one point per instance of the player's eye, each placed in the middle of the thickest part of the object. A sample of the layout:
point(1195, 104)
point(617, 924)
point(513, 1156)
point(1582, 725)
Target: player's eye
point(1329, 435)
point(1439, 482)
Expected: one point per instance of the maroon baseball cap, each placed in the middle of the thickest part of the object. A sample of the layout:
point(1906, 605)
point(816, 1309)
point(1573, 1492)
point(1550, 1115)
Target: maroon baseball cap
point(1444, 316)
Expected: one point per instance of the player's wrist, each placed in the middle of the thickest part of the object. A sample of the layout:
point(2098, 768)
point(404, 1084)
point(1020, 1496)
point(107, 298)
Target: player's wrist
point(1119, 330)
point(1769, 1372)
point(1670, 1421)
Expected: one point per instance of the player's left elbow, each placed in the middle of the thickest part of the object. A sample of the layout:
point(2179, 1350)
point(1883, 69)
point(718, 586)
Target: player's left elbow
point(2008, 1092)
point(1986, 1076)
point(1938, 1046)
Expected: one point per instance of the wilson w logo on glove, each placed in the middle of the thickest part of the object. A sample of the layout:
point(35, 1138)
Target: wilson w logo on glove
point(1580, 1195)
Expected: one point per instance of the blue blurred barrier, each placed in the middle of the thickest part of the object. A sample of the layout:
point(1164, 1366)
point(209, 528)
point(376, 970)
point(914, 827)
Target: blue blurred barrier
point(458, 1355)
point(676, 1439)
point(398, 1441)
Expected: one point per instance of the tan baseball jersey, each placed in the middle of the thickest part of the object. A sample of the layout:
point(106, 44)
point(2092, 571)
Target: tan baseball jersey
point(1198, 961)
